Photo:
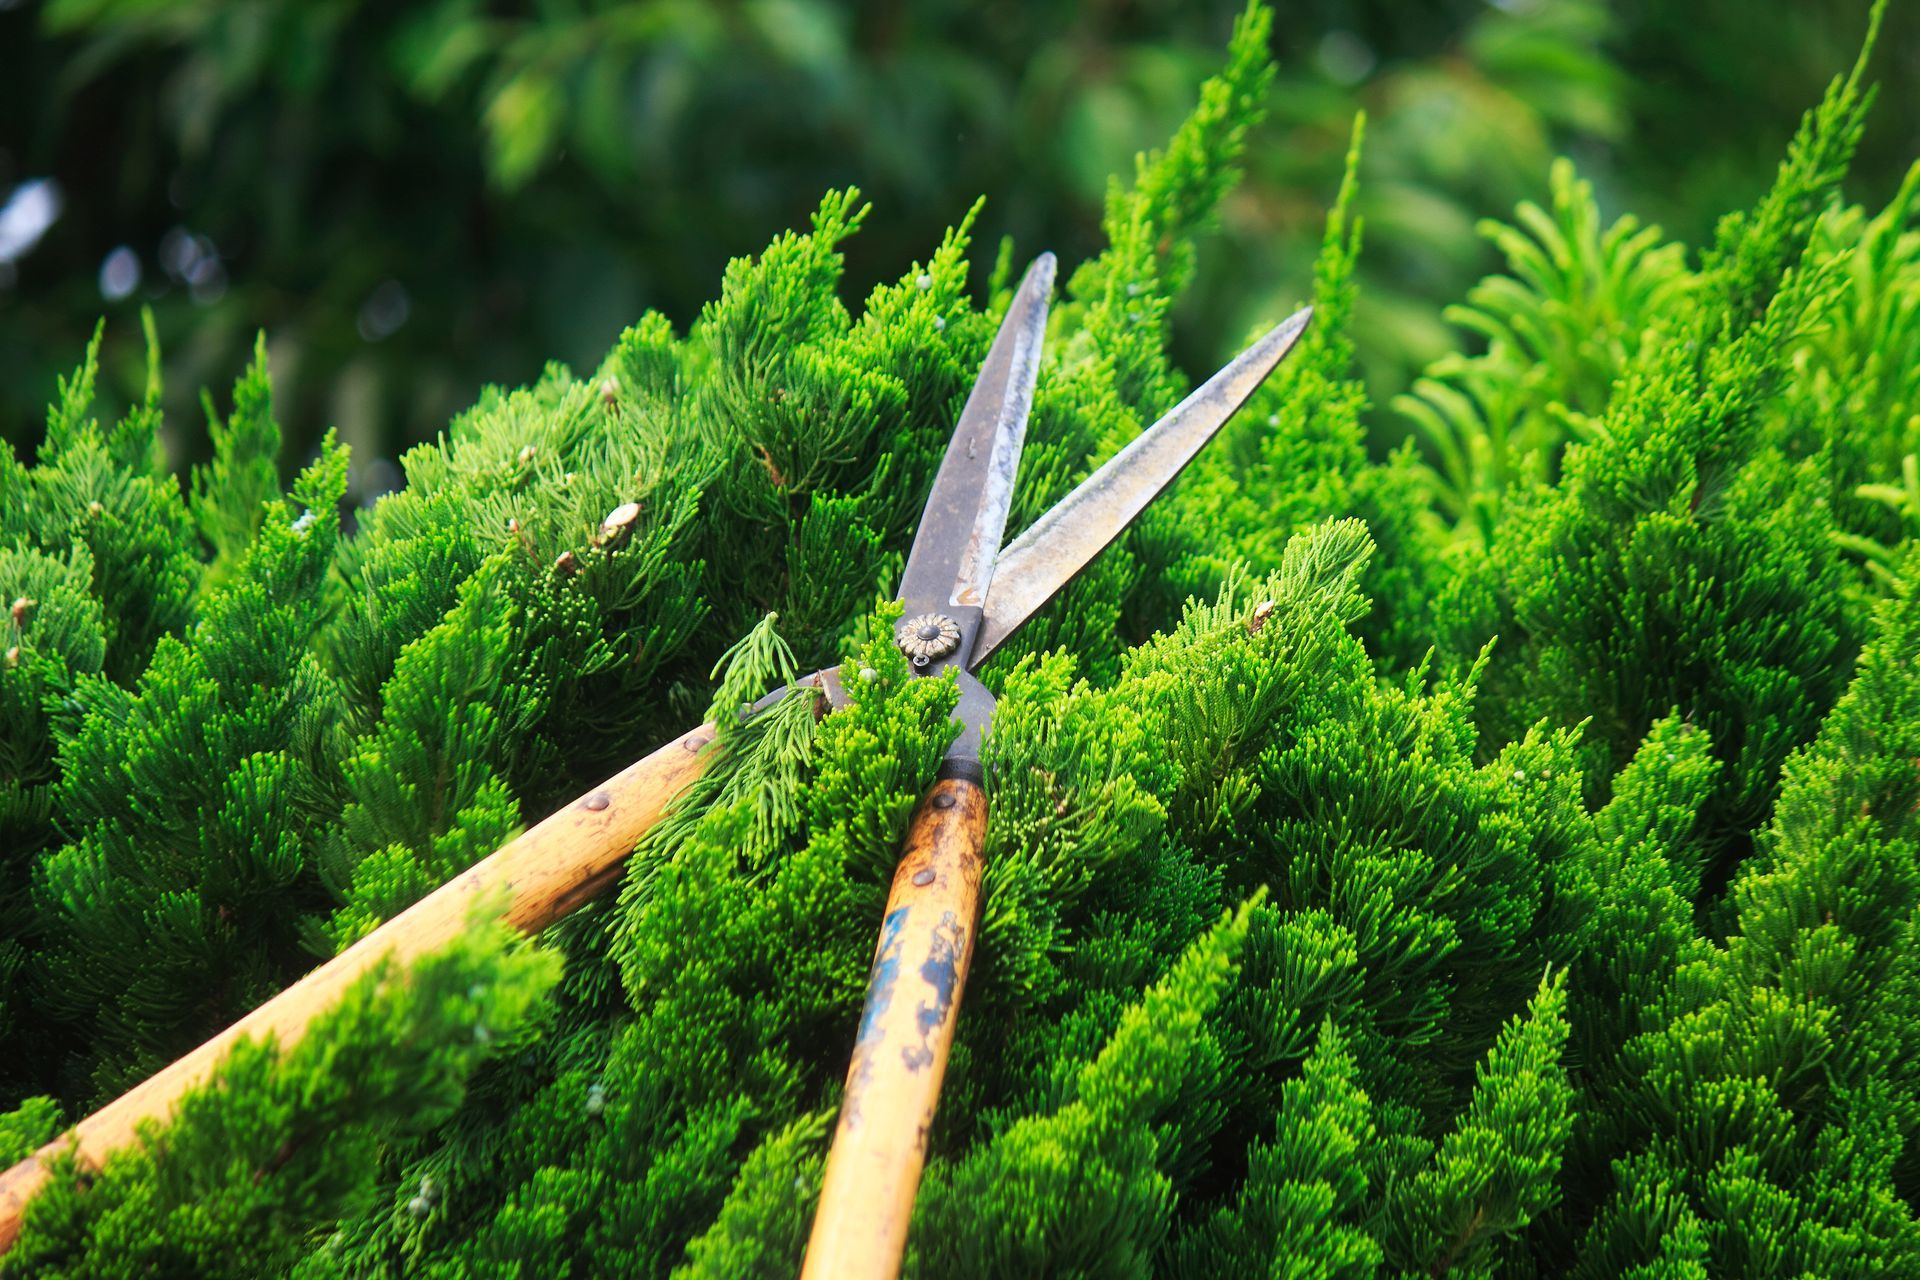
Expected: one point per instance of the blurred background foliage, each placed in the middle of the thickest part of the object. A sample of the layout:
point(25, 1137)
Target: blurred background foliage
point(414, 199)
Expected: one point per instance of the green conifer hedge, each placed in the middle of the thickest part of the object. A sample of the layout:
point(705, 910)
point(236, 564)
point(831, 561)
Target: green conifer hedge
point(1504, 865)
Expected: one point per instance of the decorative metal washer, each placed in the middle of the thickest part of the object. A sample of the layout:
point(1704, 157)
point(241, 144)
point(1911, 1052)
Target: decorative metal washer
point(928, 636)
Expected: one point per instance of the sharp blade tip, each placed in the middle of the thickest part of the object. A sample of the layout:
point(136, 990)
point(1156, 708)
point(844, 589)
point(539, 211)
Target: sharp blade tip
point(1040, 272)
point(1273, 346)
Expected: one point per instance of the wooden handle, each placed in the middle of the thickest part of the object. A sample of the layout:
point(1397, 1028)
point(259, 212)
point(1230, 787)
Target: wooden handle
point(900, 1057)
point(549, 871)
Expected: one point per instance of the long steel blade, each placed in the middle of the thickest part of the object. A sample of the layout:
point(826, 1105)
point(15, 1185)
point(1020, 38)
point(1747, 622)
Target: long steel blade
point(1080, 526)
point(958, 542)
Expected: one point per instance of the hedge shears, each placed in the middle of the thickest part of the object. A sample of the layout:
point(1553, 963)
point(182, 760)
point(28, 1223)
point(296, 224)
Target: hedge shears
point(963, 595)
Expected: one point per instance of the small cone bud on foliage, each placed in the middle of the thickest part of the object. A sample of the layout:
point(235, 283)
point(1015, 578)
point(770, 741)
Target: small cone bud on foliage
point(1497, 858)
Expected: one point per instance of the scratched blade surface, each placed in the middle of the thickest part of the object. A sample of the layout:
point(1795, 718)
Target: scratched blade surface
point(1080, 526)
point(958, 542)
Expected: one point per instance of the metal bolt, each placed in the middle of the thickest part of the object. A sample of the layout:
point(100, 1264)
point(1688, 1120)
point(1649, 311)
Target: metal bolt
point(597, 801)
point(928, 636)
point(923, 877)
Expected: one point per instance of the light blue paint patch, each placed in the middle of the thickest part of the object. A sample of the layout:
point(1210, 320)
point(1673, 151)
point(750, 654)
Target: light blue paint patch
point(886, 974)
point(941, 972)
point(880, 987)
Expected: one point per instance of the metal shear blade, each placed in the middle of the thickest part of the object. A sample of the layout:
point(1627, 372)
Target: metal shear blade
point(964, 595)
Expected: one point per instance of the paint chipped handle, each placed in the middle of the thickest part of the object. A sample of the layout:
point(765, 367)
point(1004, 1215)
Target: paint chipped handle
point(906, 1029)
point(547, 872)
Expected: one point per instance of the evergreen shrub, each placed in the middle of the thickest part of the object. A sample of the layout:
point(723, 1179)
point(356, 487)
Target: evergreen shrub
point(1493, 861)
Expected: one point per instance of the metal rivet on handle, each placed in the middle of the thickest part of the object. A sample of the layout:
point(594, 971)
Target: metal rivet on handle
point(944, 800)
point(597, 801)
point(923, 877)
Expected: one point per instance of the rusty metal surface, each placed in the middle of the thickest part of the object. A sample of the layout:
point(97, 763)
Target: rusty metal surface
point(1080, 526)
point(827, 682)
point(957, 545)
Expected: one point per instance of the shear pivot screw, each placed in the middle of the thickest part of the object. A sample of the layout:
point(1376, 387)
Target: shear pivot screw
point(928, 636)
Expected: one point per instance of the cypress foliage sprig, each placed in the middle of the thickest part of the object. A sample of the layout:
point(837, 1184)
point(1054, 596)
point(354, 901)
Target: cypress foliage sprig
point(1082, 1189)
point(280, 1142)
point(230, 493)
point(1302, 1206)
point(1683, 560)
point(166, 916)
point(1765, 1109)
point(104, 488)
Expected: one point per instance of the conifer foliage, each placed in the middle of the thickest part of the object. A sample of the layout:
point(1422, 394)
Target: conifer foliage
point(1492, 861)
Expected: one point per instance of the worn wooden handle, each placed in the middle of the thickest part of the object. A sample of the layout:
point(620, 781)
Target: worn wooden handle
point(547, 872)
point(900, 1056)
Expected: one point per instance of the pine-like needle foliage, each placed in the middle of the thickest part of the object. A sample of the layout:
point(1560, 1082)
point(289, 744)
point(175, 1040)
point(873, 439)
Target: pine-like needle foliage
point(1685, 559)
point(280, 1142)
point(1492, 861)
